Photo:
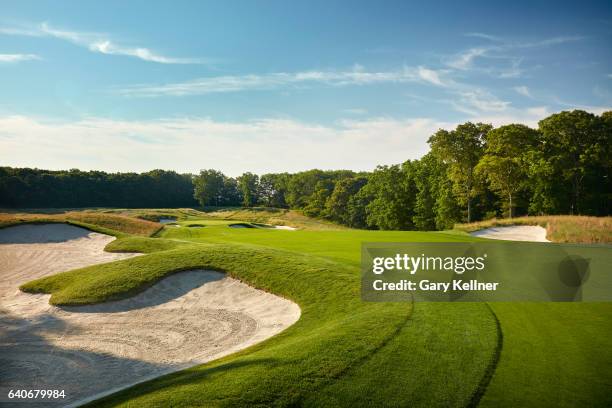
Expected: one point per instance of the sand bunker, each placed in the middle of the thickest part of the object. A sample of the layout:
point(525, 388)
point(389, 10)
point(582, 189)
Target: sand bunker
point(89, 351)
point(285, 227)
point(241, 225)
point(262, 226)
point(514, 233)
point(166, 220)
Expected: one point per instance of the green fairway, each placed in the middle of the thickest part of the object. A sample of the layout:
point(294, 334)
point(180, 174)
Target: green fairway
point(345, 352)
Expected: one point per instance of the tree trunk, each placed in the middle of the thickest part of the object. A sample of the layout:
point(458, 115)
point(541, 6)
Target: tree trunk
point(510, 207)
point(469, 210)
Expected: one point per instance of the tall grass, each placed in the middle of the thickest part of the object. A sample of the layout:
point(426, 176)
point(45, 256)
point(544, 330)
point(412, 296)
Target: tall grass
point(559, 228)
point(114, 222)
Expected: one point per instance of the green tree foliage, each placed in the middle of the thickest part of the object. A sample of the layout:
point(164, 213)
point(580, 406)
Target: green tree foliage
point(392, 190)
point(36, 188)
point(471, 172)
point(505, 161)
point(461, 149)
point(337, 206)
point(316, 203)
point(248, 184)
point(273, 189)
point(577, 146)
point(211, 187)
point(435, 206)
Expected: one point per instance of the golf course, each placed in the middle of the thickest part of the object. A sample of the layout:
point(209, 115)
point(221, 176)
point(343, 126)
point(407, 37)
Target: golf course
point(273, 204)
point(341, 351)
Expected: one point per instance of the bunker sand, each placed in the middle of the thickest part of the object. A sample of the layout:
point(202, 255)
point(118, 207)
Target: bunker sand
point(531, 233)
point(89, 351)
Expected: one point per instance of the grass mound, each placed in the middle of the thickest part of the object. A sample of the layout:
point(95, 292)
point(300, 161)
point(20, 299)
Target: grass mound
point(241, 225)
point(272, 216)
point(109, 223)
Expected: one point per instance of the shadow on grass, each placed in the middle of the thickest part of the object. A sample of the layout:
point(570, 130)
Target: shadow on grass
point(167, 289)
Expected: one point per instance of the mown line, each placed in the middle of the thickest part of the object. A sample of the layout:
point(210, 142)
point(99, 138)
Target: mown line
point(367, 357)
point(488, 375)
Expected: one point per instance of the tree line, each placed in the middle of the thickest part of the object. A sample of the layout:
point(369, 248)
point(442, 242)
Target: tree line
point(472, 172)
point(34, 188)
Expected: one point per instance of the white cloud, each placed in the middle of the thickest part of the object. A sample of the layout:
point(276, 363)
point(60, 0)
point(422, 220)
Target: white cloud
point(464, 59)
point(11, 58)
point(548, 41)
point(501, 49)
point(522, 90)
point(267, 145)
point(96, 42)
point(530, 116)
point(235, 83)
point(484, 36)
point(429, 75)
point(477, 100)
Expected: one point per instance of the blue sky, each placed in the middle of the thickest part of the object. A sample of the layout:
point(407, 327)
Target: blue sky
point(283, 86)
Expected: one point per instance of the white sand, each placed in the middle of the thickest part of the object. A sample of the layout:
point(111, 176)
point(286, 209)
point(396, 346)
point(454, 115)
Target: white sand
point(514, 233)
point(186, 319)
point(285, 227)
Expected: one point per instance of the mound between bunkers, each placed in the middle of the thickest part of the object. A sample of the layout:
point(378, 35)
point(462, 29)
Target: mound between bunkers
point(186, 319)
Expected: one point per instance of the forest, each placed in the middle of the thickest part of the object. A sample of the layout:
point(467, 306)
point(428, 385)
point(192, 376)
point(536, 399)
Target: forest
point(472, 172)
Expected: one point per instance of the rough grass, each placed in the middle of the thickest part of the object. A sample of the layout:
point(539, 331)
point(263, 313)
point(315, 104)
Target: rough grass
point(272, 216)
point(559, 228)
point(110, 222)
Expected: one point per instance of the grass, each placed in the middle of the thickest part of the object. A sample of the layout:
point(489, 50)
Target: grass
point(554, 355)
point(345, 352)
point(111, 223)
point(559, 228)
point(272, 216)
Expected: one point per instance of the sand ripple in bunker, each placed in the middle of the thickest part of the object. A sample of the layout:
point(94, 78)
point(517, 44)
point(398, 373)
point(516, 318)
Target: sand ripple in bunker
point(187, 318)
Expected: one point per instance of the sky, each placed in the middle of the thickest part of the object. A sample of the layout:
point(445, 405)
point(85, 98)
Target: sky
point(274, 86)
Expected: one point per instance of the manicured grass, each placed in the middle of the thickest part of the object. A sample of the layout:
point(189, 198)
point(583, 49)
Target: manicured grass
point(342, 245)
point(344, 352)
point(335, 336)
point(554, 355)
point(559, 228)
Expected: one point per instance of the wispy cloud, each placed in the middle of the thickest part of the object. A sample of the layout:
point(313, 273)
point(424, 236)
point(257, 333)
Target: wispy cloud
point(96, 42)
point(484, 36)
point(476, 101)
point(464, 59)
point(430, 75)
point(501, 49)
point(236, 83)
point(12, 58)
point(522, 90)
